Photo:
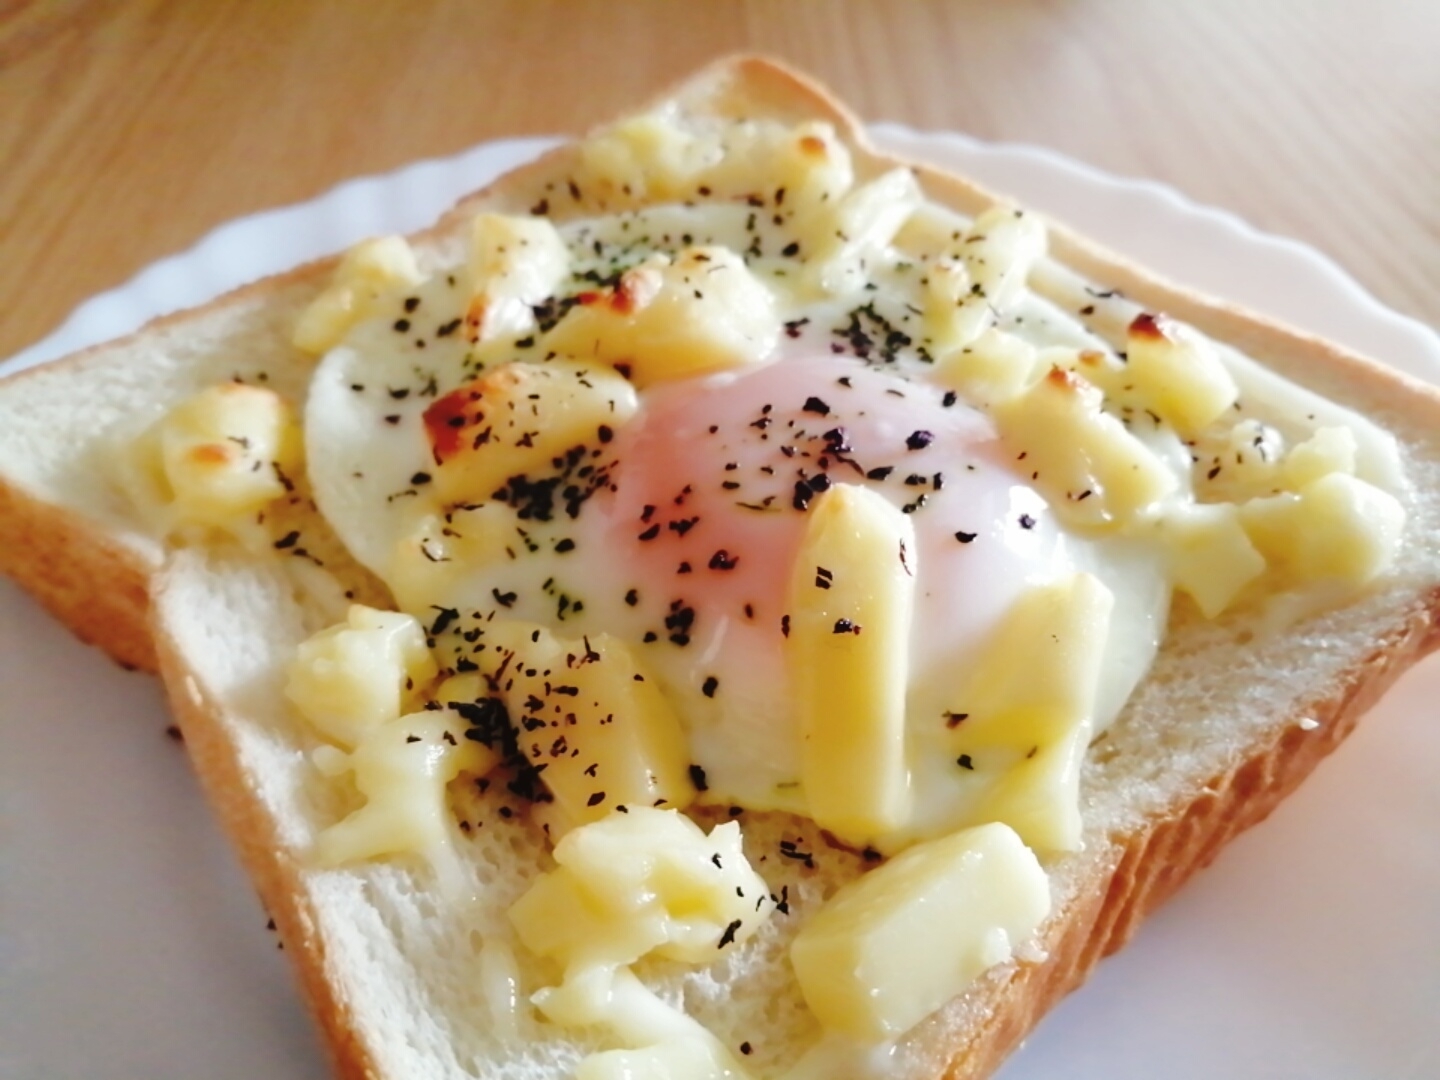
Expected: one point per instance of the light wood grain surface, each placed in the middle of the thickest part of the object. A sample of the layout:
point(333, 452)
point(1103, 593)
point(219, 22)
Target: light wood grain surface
point(129, 128)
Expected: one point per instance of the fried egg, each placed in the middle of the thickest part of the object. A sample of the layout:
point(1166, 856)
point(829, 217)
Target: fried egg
point(678, 535)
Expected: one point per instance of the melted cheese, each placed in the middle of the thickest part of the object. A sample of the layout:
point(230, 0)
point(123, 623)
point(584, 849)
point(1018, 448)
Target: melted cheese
point(619, 456)
point(628, 885)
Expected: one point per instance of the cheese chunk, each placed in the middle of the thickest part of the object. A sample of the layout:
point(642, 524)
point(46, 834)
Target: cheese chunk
point(523, 419)
point(703, 312)
point(639, 882)
point(1000, 250)
point(402, 768)
point(368, 273)
point(626, 886)
point(811, 164)
point(844, 245)
point(1240, 463)
point(515, 264)
point(1210, 556)
point(592, 717)
point(896, 944)
point(994, 367)
point(1177, 374)
point(852, 595)
point(1329, 450)
point(645, 158)
point(217, 459)
point(977, 277)
point(1337, 528)
point(1093, 470)
point(350, 678)
point(1026, 711)
point(653, 158)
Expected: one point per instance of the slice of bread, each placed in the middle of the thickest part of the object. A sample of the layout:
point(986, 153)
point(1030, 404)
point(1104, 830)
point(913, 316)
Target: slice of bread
point(395, 966)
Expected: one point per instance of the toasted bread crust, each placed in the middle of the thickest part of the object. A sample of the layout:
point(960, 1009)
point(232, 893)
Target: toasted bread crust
point(60, 557)
point(87, 579)
point(274, 868)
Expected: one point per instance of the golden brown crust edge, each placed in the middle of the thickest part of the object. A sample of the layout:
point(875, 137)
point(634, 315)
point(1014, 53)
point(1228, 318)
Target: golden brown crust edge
point(87, 579)
point(274, 869)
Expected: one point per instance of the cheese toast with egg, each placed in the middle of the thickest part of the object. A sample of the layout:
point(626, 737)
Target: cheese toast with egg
point(412, 962)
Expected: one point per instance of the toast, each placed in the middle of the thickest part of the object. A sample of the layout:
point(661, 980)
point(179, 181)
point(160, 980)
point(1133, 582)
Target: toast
point(1159, 799)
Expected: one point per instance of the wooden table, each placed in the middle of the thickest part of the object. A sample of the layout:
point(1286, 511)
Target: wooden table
point(128, 128)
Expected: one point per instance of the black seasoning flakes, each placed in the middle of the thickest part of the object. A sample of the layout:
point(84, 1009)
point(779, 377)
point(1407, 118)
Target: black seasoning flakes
point(965, 537)
point(965, 763)
point(683, 525)
point(443, 621)
point(679, 622)
point(697, 777)
point(918, 440)
point(791, 849)
point(710, 685)
point(867, 332)
point(572, 483)
point(1026, 521)
point(729, 936)
point(817, 406)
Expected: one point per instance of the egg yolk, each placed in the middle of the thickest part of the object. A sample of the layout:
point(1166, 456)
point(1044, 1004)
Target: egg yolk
point(711, 484)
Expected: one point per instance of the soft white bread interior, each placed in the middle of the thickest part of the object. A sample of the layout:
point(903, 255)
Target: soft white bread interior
point(1229, 720)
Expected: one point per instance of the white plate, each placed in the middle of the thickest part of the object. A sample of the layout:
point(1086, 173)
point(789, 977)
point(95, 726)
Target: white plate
point(131, 944)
